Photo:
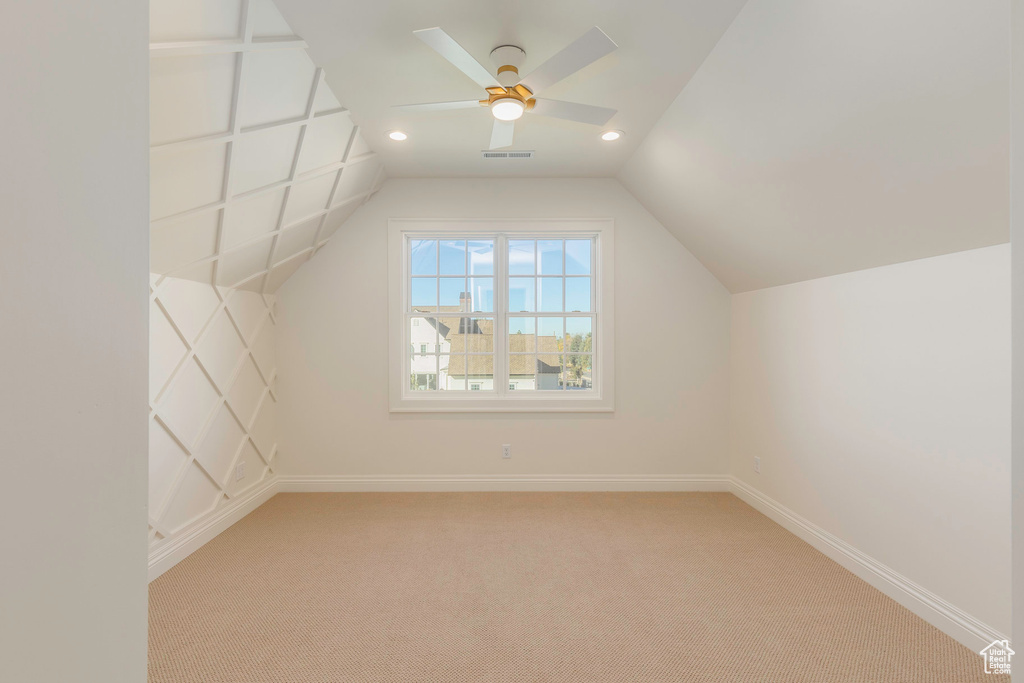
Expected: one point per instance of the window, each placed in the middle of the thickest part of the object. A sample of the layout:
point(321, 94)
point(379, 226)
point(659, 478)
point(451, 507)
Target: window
point(519, 313)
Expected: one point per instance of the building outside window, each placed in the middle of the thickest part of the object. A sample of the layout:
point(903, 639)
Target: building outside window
point(507, 309)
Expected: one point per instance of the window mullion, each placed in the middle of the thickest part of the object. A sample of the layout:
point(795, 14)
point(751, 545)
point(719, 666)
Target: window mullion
point(407, 319)
point(501, 315)
point(595, 340)
point(565, 351)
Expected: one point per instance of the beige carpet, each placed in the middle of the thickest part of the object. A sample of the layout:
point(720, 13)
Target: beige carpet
point(567, 587)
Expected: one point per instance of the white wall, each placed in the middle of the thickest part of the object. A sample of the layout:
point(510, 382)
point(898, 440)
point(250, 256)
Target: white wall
point(672, 330)
point(1017, 237)
point(878, 402)
point(73, 341)
point(211, 377)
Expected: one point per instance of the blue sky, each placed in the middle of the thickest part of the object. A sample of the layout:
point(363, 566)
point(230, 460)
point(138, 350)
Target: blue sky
point(473, 262)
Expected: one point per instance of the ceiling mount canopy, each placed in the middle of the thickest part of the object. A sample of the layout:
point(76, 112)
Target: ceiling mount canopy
point(508, 59)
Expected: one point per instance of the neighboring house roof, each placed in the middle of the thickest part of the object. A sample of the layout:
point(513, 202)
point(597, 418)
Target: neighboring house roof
point(445, 324)
point(466, 334)
point(475, 335)
point(483, 366)
point(547, 361)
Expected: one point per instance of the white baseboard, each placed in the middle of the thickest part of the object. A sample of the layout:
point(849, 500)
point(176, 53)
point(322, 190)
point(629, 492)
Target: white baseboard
point(525, 482)
point(176, 549)
point(944, 616)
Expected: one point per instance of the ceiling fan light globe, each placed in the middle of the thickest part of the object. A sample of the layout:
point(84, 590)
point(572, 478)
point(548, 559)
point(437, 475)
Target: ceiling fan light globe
point(507, 109)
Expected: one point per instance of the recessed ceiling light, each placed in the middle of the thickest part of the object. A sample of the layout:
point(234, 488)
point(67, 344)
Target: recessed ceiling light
point(397, 135)
point(611, 135)
point(507, 109)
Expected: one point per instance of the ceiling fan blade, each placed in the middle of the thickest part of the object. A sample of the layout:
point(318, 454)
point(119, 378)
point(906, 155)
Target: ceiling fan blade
point(501, 134)
point(440, 106)
point(446, 46)
point(588, 48)
point(572, 111)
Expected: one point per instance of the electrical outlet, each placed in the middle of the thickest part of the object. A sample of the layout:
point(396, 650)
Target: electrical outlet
point(757, 464)
point(506, 451)
point(240, 471)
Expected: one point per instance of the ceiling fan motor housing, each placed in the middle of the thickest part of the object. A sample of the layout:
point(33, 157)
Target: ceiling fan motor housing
point(508, 59)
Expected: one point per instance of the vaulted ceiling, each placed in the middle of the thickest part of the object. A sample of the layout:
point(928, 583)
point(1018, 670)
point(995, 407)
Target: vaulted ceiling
point(778, 140)
point(826, 137)
point(254, 163)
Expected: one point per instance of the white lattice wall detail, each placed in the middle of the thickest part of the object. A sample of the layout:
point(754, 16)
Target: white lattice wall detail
point(212, 401)
point(254, 162)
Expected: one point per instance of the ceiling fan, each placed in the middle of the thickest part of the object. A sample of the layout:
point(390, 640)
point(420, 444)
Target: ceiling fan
point(508, 96)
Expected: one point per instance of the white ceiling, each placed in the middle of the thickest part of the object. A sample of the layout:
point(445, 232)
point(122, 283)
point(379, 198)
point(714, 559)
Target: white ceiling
point(373, 62)
point(810, 139)
point(826, 137)
point(254, 164)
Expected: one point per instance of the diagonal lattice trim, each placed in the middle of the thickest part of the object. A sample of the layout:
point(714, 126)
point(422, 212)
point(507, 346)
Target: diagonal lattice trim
point(246, 423)
point(262, 278)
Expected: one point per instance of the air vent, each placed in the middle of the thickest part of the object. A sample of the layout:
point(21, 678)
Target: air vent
point(524, 154)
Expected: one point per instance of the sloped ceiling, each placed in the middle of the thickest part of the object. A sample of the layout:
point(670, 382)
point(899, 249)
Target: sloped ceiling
point(816, 138)
point(825, 137)
point(375, 62)
point(254, 162)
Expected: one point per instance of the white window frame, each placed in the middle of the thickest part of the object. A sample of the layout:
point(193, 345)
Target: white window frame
point(598, 399)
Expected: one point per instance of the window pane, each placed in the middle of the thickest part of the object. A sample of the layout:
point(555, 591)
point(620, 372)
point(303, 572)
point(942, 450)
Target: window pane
point(549, 345)
point(482, 294)
point(550, 254)
point(549, 367)
point(522, 371)
point(549, 334)
point(481, 372)
point(521, 294)
point(476, 336)
point(424, 293)
point(453, 291)
point(578, 371)
point(577, 257)
point(423, 372)
point(453, 257)
point(481, 257)
point(422, 331)
point(550, 295)
point(423, 257)
point(579, 336)
point(521, 257)
point(452, 373)
point(521, 334)
point(577, 294)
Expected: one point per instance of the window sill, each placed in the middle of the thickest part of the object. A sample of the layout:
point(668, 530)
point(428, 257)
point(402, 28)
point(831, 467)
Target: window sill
point(532, 404)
